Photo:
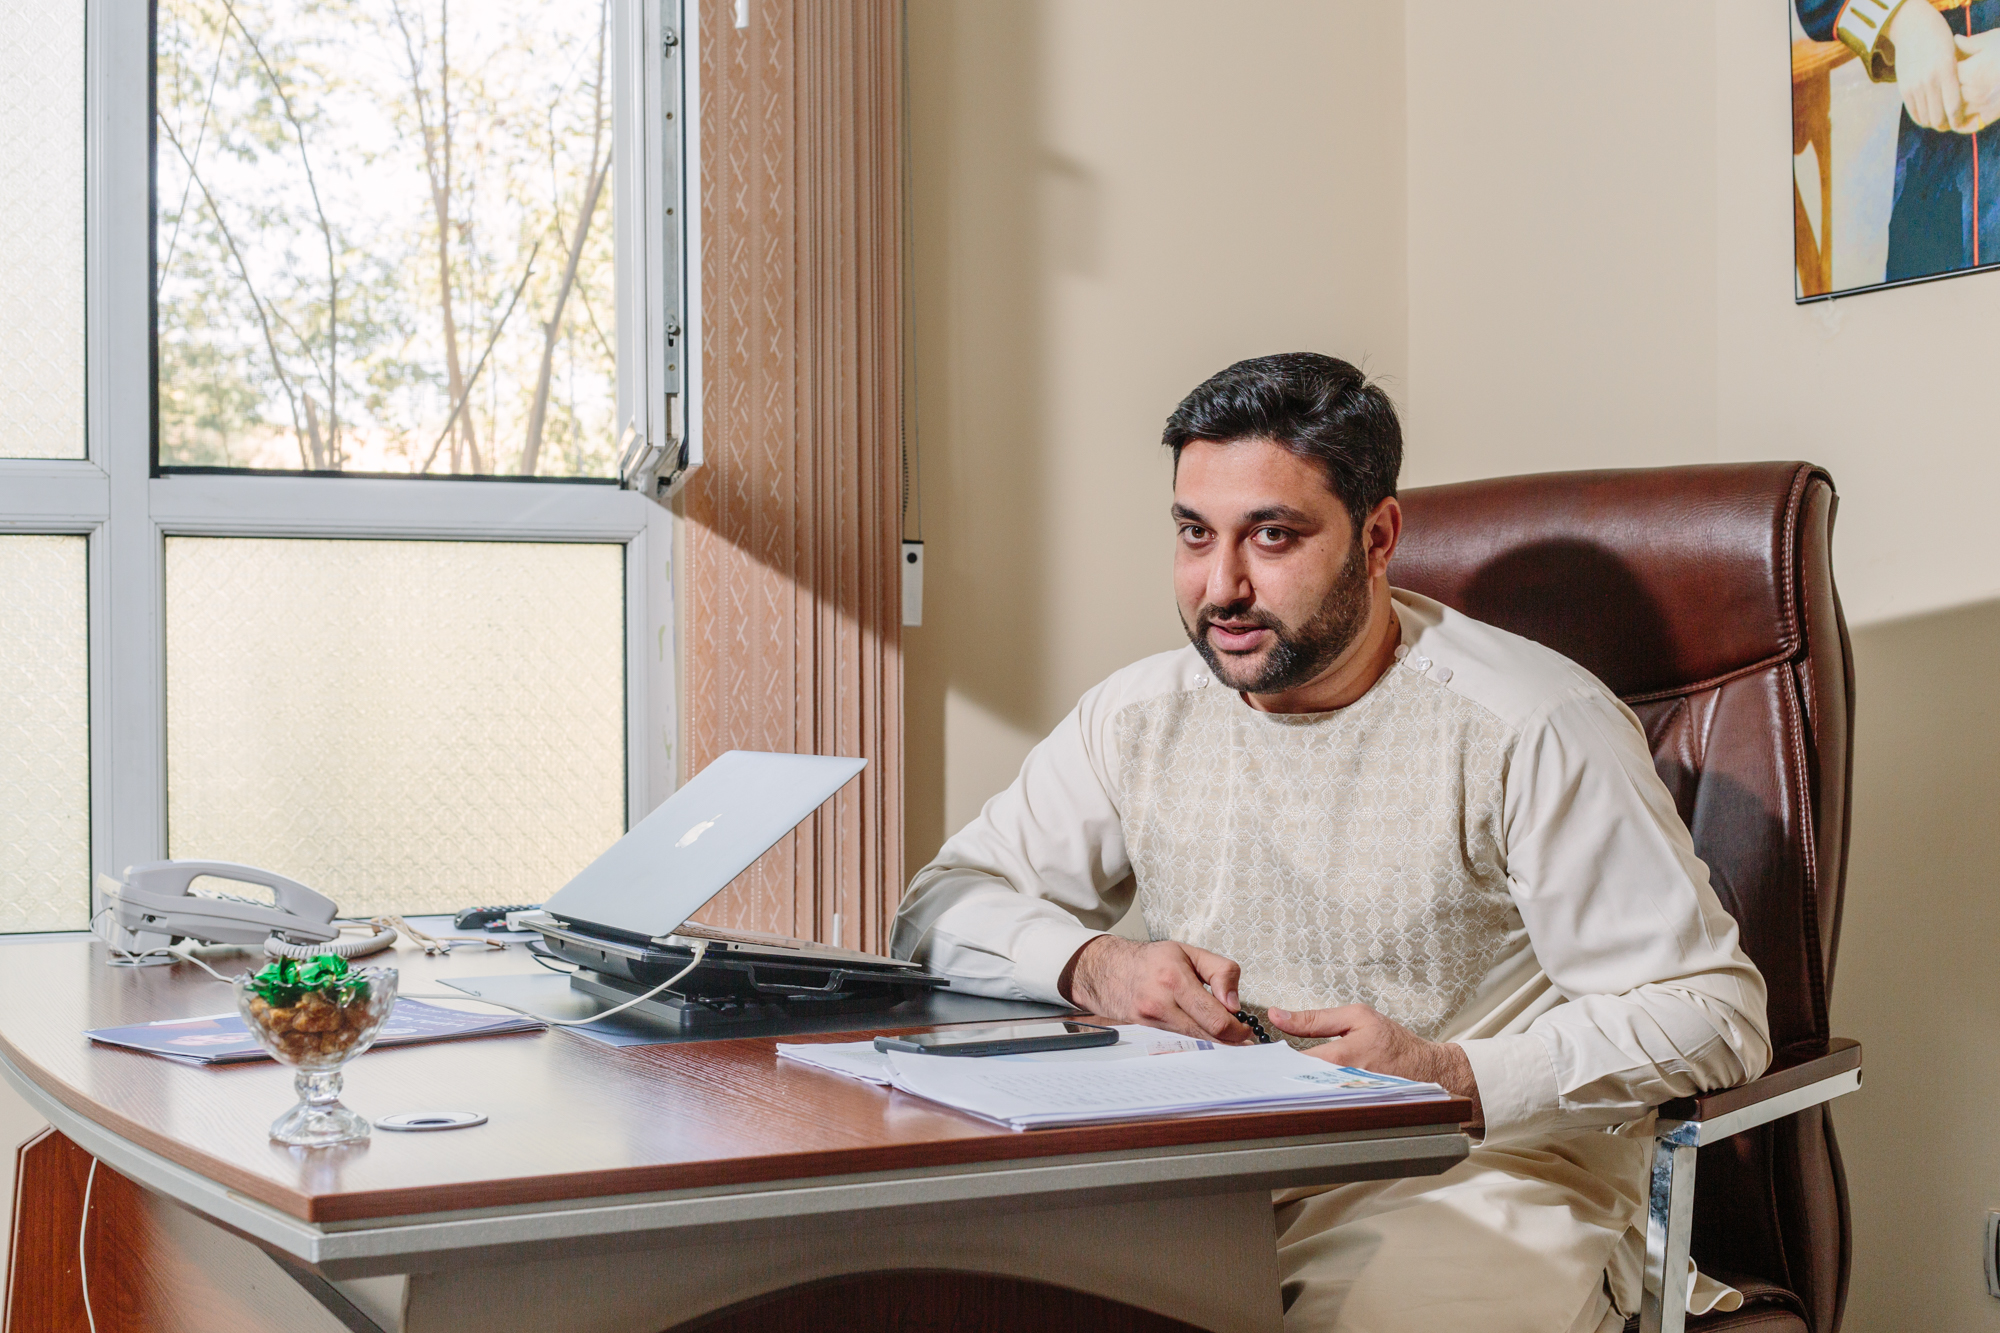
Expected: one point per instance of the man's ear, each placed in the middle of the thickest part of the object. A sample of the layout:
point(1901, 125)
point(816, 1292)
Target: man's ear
point(1381, 532)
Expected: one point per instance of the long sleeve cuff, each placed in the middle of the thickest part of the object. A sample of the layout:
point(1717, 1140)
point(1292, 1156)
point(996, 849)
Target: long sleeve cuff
point(1041, 952)
point(1862, 29)
point(1517, 1083)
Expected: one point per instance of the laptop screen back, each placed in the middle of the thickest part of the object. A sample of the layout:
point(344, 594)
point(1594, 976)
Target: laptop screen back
point(703, 836)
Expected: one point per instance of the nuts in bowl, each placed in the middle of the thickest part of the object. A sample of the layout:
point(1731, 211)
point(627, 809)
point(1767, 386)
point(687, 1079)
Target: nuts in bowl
point(316, 1015)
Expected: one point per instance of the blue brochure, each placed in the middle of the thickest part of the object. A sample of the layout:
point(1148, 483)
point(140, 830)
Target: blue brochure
point(220, 1039)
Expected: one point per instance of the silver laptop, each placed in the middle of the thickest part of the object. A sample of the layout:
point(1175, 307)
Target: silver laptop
point(674, 860)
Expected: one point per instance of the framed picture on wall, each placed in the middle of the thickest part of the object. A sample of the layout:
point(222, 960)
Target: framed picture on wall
point(1895, 142)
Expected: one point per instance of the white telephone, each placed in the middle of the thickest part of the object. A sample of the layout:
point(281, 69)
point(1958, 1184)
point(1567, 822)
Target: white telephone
point(156, 901)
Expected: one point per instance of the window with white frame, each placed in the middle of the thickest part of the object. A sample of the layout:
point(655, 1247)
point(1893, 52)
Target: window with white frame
point(323, 371)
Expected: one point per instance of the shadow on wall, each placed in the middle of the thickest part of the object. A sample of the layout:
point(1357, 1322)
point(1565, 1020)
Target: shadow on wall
point(1918, 982)
point(991, 224)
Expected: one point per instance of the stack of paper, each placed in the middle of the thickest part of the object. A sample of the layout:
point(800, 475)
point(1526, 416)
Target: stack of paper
point(1107, 1083)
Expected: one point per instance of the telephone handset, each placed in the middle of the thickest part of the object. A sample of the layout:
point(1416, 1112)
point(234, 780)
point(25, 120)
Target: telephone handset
point(156, 902)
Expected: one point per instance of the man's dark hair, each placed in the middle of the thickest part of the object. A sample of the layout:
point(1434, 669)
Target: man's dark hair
point(1319, 407)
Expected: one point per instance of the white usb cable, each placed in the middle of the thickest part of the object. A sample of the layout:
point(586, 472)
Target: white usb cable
point(700, 949)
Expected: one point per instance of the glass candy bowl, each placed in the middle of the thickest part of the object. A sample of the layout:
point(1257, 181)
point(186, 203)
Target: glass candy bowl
point(316, 1016)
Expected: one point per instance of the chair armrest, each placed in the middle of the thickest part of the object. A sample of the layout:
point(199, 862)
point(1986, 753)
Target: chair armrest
point(1797, 1079)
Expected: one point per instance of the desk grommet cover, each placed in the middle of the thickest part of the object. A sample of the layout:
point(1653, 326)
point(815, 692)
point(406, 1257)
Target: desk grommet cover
point(424, 1122)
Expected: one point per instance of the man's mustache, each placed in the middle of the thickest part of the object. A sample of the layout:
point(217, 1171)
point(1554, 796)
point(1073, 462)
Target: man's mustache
point(1206, 616)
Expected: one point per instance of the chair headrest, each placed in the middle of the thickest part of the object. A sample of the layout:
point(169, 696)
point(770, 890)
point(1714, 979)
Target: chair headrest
point(1657, 580)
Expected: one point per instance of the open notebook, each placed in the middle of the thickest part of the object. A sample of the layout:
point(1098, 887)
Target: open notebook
point(1149, 1075)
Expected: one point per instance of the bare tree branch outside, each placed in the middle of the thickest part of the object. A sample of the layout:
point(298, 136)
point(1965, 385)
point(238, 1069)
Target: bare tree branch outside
point(384, 236)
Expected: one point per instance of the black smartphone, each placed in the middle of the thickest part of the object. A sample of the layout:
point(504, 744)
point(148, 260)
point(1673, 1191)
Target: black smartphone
point(1002, 1039)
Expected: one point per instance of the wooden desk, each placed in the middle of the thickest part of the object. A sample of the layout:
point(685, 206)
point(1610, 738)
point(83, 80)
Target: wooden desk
point(616, 1189)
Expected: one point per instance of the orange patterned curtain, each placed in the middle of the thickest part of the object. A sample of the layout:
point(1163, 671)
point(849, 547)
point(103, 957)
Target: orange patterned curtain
point(790, 585)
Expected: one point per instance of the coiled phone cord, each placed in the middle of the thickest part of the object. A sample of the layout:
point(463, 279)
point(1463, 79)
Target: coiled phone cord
point(277, 946)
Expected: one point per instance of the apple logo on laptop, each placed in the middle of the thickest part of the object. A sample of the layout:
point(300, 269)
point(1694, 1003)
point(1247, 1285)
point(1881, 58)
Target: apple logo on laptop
point(695, 832)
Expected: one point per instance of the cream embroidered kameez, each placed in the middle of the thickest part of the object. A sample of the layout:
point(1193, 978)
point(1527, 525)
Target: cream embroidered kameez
point(1480, 848)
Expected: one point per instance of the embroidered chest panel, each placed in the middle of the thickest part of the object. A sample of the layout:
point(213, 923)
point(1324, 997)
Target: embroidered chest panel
point(1349, 857)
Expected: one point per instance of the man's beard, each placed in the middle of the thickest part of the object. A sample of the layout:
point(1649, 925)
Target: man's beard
point(1301, 654)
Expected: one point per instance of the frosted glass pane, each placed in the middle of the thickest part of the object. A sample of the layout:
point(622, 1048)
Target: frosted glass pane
point(41, 229)
point(406, 726)
point(384, 236)
point(44, 734)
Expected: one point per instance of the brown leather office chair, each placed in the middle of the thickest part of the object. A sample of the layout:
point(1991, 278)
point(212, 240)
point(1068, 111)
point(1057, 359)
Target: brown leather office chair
point(1703, 596)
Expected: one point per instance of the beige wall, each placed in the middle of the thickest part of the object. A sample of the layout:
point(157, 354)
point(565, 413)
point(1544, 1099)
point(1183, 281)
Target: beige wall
point(1113, 200)
point(1561, 246)
point(1567, 240)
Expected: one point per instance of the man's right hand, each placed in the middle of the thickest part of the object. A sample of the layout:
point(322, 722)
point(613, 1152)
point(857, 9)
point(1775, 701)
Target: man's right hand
point(1927, 66)
point(1979, 79)
point(1159, 984)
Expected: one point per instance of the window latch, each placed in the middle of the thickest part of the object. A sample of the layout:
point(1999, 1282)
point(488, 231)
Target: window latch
point(654, 470)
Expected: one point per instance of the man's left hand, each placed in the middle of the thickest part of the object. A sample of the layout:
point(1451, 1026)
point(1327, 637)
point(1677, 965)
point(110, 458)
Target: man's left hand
point(1363, 1039)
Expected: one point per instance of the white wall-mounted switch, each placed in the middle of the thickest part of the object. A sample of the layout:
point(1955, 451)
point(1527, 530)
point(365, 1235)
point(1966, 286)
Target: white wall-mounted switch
point(913, 583)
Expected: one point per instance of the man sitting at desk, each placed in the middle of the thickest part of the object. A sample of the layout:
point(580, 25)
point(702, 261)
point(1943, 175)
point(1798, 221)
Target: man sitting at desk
point(1420, 844)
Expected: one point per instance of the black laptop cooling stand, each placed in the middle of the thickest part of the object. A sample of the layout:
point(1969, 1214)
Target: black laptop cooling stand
point(729, 988)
